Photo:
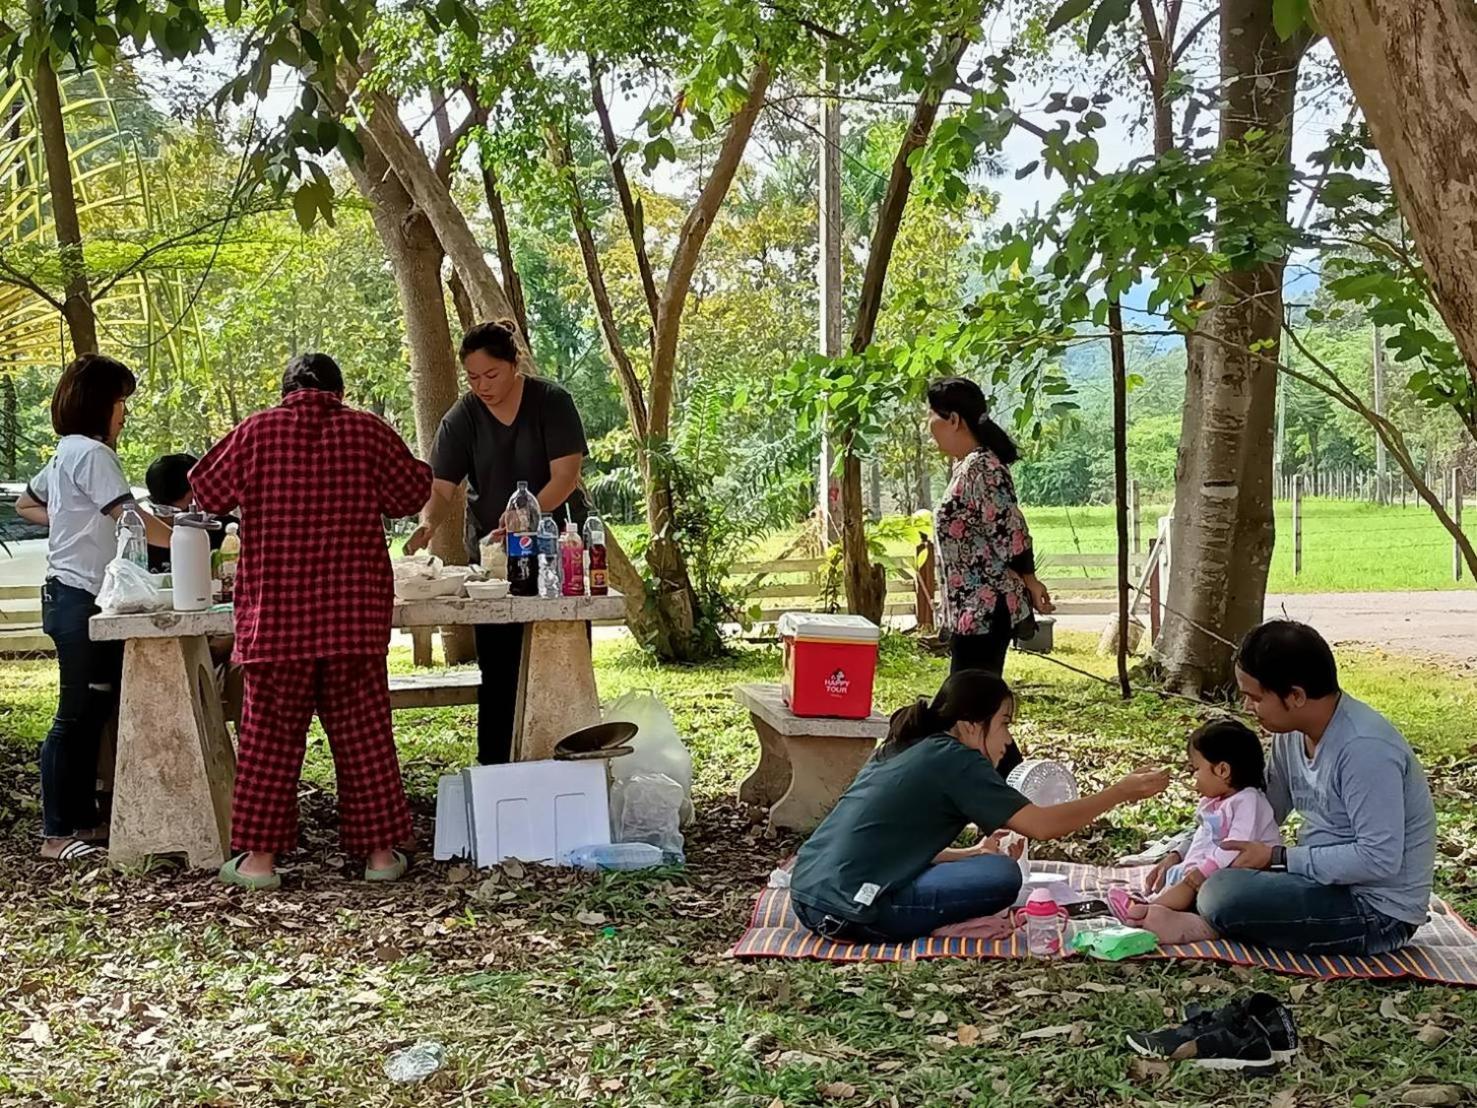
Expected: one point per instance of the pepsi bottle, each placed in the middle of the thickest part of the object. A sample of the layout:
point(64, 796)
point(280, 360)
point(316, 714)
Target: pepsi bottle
point(521, 521)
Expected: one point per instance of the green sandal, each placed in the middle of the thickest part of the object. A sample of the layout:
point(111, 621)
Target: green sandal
point(231, 874)
point(389, 873)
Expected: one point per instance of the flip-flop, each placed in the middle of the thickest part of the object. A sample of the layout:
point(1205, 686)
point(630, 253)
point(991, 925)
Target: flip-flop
point(1120, 903)
point(230, 874)
point(389, 873)
point(76, 851)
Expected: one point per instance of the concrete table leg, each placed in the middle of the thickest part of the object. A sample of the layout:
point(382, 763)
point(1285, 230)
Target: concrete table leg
point(771, 777)
point(556, 688)
point(821, 769)
point(175, 765)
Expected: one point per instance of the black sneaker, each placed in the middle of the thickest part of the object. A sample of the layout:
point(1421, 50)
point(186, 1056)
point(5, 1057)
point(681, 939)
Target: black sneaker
point(1253, 1032)
point(1276, 1023)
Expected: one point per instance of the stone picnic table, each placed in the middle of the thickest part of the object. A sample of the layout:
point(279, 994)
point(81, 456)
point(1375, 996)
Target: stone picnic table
point(176, 767)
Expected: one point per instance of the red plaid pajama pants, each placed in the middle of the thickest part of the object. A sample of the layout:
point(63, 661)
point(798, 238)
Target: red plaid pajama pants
point(351, 695)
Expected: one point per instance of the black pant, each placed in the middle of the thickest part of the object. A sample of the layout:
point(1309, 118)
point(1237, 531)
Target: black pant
point(499, 655)
point(91, 673)
point(987, 652)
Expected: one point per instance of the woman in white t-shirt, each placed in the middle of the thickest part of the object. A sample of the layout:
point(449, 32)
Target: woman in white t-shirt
point(78, 495)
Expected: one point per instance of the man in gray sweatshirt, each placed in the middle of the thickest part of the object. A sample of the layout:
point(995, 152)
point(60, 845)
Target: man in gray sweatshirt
point(1359, 879)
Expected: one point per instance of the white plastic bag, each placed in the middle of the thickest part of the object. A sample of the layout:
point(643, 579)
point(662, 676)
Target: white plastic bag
point(656, 747)
point(127, 588)
point(649, 807)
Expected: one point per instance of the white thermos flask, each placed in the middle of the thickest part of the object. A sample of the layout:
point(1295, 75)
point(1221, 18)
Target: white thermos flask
point(189, 561)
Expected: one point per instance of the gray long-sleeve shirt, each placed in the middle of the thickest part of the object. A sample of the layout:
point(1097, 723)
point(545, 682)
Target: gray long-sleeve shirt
point(1368, 820)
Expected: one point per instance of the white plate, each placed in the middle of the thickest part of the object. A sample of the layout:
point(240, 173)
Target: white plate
point(421, 588)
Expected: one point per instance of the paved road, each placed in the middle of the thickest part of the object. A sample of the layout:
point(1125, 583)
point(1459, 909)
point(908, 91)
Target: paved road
point(1407, 622)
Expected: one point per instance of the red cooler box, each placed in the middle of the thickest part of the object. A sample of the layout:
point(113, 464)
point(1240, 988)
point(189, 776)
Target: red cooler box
point(830, 662)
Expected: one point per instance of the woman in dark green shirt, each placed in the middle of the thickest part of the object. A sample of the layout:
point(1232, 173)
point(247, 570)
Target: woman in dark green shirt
point(880, 867)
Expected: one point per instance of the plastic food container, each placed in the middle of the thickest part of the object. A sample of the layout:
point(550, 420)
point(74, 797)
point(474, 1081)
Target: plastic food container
point(830, 664)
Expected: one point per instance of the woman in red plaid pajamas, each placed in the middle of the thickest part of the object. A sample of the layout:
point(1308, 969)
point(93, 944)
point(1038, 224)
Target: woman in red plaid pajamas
point(313, 481)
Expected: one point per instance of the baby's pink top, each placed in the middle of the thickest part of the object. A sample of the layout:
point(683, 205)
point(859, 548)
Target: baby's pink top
point(1244, 816)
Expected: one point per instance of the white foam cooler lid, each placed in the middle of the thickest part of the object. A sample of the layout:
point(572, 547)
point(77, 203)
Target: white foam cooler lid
point(812, 626)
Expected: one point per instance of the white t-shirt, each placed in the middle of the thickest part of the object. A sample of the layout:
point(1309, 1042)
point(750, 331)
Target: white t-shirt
point(81, 484)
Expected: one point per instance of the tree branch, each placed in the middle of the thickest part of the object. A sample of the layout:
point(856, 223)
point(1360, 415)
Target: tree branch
point(690, 243)
point(623, 190)
point(563, 157)
point(1194, 32)
point(895, 199)
point(451, 139)
point(1390, 435)
point(25, 281)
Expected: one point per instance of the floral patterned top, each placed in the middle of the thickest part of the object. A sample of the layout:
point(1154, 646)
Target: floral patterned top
point(983, 547)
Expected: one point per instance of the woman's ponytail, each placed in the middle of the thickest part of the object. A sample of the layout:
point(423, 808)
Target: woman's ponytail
point(994, 439)
point(910, 724)
point(962, 397)
point(972, 695)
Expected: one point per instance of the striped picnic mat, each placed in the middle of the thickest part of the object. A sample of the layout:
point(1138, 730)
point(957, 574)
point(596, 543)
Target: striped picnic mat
point(1443, 951)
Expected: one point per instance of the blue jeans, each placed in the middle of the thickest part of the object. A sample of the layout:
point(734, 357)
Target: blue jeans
point(1294, 913)
point(944, 893)
point(90, 675)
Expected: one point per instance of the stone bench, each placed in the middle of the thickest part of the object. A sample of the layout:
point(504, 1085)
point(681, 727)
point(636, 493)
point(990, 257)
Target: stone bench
point(804, 764)
point(434, 690)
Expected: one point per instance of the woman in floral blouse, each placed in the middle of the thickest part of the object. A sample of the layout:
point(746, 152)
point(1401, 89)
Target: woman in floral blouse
point(988, 573)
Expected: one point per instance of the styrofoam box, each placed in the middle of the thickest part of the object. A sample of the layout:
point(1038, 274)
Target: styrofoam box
point(536, 811)
point(453, 831)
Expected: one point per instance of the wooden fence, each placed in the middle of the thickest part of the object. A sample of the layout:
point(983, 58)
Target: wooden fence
point(20, 621)
point(771, 588)
point(1453, 488)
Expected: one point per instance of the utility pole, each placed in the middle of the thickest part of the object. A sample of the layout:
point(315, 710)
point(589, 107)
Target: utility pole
point(1281, 432)
point(1380, 462)
point(828, 488)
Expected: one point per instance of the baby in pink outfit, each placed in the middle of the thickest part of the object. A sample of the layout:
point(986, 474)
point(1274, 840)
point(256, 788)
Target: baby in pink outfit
point(1230, 772)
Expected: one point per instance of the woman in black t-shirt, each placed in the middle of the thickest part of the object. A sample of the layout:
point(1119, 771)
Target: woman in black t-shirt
point(507, 428)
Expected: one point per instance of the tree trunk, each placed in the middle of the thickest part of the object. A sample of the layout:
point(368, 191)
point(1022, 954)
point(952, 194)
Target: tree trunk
point(77, 307)
point(1413, 68)
point(635, 224)
point(1120, 482)
point(676, 600)
point(866, 584)
point(1223, 526)
point(505, 248)
point(9, 428)
point(415, 255)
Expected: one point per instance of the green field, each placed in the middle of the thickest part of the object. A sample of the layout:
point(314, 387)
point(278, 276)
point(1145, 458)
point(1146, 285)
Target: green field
point(162, 988)
point(1348, 546)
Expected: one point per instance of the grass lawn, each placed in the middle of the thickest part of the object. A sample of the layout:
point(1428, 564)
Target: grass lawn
point(162, 988)
point(1348, 546)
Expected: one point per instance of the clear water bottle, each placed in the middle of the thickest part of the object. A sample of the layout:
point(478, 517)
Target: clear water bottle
point(548, 577)
point(133, 542)
point(616, 856)
point(549, 580)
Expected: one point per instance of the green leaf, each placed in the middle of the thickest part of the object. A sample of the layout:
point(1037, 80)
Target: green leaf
point(305, 205)
point(1289, 16)
point(348, 146)
point(466, 20)
point(233, 10)
point(1066, 13)
point(1109, 14)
